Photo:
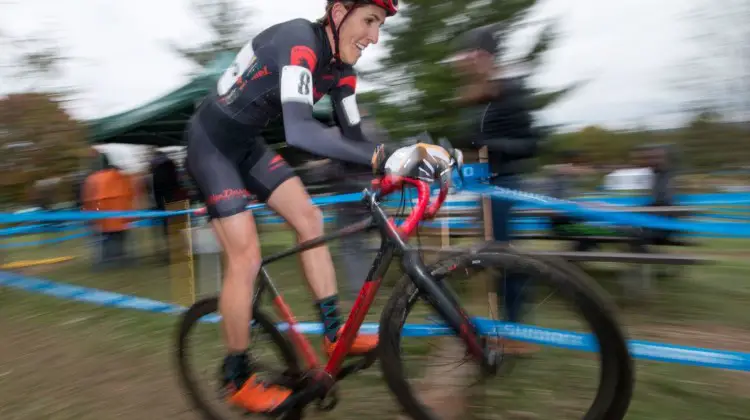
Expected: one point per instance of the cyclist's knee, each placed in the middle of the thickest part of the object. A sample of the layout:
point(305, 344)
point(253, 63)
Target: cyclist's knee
point(244, 258)
point(310, 225)
point(243, 268)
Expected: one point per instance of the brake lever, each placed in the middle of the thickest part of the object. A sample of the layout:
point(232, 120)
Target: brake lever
point(455, 154)
point(458, 159)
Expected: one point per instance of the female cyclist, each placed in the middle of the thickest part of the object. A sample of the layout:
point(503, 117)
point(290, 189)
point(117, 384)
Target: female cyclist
point(283, 71)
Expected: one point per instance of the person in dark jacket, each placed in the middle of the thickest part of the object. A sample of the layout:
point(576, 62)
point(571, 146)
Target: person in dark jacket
point(498, 117)
point(659, 158)
point(345, 179)
point(165, 188)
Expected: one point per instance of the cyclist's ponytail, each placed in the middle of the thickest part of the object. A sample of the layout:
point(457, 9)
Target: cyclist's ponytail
point(348, 4)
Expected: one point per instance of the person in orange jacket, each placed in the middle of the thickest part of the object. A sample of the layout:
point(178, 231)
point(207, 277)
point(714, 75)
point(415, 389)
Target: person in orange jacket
point(109, 189)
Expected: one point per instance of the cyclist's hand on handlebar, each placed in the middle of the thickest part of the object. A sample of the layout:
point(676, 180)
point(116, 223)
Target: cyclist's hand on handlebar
point(423, 161)
point(380, 157)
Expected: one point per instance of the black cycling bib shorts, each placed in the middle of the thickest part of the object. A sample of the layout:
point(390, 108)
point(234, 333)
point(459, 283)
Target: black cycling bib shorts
point(285, 70)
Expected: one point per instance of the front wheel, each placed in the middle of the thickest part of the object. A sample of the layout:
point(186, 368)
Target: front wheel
point(611, 388)
point(199, 351)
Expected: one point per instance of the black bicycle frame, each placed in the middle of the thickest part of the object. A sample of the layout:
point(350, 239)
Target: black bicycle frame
point(430, 288)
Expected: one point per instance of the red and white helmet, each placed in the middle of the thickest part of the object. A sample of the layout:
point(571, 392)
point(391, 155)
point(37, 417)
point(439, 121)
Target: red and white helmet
point(390, 6)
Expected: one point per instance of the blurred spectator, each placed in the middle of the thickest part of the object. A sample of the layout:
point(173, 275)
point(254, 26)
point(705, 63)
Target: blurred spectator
point(564, 179)
point(346, 178)
point(165, 188)
point(166, 180)
point(498, 117)
point(109, 189)
point(77, 181)
point(660, 159)
point(43, 193)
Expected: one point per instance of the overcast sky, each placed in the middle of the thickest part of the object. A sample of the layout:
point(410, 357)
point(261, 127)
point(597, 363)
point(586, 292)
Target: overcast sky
point(627, 48)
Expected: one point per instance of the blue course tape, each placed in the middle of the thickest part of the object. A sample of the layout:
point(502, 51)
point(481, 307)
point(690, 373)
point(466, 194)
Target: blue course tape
point(143, 214)
point(39, 228)
point(619, 217)
point(41, 216)
point(524, 199)
point(694, 356)
point(680, 199)
point(714, 199)
point(454, 223)
point(85, 294)
point(85, 215)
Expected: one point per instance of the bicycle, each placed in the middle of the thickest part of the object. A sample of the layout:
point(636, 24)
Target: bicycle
point(316, 382)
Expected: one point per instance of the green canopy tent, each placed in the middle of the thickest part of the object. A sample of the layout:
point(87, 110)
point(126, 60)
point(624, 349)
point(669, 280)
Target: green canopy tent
point(162, 121)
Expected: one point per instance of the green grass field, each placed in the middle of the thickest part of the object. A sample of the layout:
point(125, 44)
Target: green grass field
point(66, 360)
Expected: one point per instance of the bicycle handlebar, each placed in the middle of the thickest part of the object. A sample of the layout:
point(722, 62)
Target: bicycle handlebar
point(391, 183)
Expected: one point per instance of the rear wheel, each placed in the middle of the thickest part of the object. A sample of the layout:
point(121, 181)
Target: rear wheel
point(613, 385)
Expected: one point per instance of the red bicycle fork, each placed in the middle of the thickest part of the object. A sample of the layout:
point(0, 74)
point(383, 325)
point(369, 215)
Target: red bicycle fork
point(320, 384)
point(351, 328)
point(348, 332)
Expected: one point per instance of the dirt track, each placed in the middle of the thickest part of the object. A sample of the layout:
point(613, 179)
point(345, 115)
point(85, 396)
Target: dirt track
point(52, 374)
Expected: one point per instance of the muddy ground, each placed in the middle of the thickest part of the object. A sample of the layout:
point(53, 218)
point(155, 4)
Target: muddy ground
point(56, 374)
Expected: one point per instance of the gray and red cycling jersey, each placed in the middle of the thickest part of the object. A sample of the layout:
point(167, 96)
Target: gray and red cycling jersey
point(285, 70)
point(282, 72)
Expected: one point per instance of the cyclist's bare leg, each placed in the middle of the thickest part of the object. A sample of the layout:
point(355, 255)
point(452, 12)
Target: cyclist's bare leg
point(239, 240)
point(291, 201)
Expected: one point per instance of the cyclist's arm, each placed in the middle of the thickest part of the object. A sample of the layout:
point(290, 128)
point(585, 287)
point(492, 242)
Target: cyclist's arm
point(296, 63)
point(344, 102)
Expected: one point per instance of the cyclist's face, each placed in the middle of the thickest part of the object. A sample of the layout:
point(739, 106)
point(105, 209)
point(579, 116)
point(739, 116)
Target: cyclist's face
point(359, 30)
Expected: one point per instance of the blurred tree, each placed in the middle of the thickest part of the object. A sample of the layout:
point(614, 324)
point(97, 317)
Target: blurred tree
point(706, 144)
point(710, 143)
point(38, 140)
point(41, 57)
point(227, 20)
point(716, 74)
point(417, 89)
point(36, 62)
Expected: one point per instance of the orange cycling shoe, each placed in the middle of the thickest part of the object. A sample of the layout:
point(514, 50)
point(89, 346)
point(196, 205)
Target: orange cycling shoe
point(363, 343)
point(257, 396)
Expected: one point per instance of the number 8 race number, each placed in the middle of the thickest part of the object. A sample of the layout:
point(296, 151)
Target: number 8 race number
point(304, 84)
